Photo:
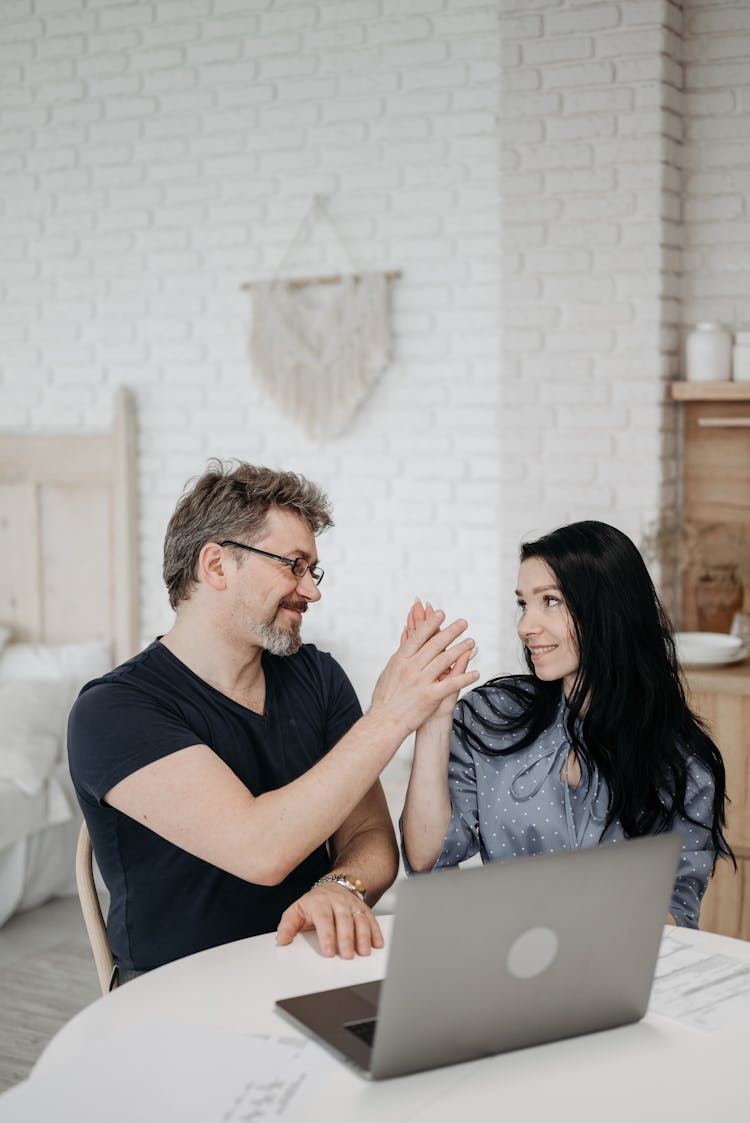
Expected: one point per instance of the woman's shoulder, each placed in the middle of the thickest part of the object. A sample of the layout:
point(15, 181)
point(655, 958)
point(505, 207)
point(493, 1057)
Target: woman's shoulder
point(700, 778)
point(508, 696)
point(502, 715)
point(506, 690)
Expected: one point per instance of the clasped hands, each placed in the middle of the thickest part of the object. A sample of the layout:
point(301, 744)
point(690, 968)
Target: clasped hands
point(427, 672)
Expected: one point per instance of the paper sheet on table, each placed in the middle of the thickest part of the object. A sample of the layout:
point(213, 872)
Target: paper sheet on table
point(704, 990)
point(164, 1070)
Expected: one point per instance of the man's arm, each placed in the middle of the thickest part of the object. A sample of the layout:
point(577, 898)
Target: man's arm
point(364, 847)
point(193, 799)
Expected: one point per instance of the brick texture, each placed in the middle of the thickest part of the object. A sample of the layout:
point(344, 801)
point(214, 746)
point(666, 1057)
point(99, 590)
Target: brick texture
point(522, 164)
point(155, 156)
point(716, 158)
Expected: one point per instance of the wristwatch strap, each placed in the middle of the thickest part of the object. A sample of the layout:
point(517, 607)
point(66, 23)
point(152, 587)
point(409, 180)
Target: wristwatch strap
point(353, 884)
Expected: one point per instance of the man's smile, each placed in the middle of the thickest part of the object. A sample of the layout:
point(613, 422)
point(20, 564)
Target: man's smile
point(297, 606)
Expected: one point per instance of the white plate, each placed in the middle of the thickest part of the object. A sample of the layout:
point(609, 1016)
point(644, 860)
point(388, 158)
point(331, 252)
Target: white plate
point(715, 660)
point(707, 647)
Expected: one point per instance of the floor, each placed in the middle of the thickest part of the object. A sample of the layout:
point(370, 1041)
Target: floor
point(42, 930)
point(47, 975)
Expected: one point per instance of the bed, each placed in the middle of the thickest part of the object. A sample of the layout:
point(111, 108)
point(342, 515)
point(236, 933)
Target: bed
point(68, 612)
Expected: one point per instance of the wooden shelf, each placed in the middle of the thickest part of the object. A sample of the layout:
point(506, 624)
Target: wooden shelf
point(710, 391)
point(732, 679)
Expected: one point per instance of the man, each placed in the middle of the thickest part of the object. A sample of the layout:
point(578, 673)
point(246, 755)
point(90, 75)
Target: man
point(217, 767)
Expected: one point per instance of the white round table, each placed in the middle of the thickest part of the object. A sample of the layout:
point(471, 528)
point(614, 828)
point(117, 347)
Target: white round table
point(655, 1069)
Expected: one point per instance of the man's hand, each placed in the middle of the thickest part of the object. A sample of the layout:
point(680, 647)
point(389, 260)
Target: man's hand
point(427, 670)
point(343, 923)
point(418, 614)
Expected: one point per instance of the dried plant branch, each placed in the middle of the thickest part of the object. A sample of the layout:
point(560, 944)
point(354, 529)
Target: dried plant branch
point(696, 547)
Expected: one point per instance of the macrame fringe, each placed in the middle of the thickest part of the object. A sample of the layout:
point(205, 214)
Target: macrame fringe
point(318, 354)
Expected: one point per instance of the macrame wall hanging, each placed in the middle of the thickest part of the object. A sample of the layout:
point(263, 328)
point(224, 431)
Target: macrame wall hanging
point(319, 344)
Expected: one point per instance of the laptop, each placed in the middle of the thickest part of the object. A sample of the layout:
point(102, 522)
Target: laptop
point(502, 956)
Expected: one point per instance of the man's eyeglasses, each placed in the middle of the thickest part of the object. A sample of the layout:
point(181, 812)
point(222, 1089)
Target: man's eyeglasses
point(298, 566)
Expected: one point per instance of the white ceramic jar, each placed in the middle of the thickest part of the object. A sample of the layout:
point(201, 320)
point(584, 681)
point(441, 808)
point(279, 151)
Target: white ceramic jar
point(708, 353)
point(741, 357)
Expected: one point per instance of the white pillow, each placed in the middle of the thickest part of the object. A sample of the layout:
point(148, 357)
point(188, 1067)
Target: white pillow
point(75, 662)
point(33, 718)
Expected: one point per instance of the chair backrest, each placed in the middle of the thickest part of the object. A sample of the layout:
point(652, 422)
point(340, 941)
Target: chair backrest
point(92, 910)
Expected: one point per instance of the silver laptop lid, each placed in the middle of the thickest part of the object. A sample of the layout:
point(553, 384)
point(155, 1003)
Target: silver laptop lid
point(522, 952)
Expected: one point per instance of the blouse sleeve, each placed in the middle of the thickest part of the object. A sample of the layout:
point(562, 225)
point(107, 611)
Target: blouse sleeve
point(698, 851)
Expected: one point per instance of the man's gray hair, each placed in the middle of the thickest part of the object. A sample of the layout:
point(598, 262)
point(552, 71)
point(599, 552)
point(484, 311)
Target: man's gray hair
point(231, 500)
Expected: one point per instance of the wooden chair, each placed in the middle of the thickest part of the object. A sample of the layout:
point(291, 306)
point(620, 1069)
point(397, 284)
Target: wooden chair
point(92, 910)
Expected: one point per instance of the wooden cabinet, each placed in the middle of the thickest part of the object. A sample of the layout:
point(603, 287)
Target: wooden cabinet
point(716, 488)
point(721, 696)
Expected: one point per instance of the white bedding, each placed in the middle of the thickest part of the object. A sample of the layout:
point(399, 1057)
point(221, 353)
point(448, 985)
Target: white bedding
point(22, 814)
point(39, 814)
point(33, 721)
point(41, 864)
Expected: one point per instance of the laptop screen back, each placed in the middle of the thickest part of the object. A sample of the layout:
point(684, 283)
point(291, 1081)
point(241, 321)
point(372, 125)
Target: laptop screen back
point(506, 955)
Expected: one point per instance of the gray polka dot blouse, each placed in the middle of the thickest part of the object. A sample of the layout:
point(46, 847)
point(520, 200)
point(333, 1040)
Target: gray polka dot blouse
point(522, 804)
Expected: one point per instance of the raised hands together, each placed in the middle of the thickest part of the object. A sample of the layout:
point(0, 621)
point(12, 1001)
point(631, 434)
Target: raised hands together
point(427, 672)
point(427, 809)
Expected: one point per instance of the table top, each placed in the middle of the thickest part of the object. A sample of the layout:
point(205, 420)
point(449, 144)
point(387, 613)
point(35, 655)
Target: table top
point(655, 1067)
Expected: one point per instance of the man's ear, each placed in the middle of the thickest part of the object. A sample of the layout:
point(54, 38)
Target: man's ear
point(210, 567)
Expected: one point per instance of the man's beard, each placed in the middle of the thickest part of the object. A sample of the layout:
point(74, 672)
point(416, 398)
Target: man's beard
point(281, 641)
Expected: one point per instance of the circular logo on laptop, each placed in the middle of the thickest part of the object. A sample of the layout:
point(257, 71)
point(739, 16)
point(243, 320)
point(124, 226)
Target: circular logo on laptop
point(532, 952)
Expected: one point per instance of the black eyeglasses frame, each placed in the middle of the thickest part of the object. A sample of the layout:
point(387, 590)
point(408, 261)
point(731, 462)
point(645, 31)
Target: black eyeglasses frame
point(298, 566)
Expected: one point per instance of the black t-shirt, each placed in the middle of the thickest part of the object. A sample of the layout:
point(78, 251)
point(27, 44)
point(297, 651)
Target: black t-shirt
point(166, 903)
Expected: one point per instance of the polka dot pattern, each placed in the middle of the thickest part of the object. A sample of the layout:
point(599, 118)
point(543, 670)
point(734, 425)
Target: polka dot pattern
point(523, 804)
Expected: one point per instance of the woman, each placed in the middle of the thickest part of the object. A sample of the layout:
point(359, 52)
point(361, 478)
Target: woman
point(597, 744)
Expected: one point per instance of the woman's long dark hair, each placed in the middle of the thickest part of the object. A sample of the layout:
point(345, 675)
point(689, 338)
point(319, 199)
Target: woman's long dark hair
point(627, 701)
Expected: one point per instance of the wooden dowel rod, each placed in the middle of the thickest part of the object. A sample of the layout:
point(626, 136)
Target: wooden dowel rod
point(332, 279)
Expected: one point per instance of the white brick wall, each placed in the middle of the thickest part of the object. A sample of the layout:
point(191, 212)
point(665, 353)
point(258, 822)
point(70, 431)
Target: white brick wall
point(153, 156)
point(590, 282)
point(717, 163)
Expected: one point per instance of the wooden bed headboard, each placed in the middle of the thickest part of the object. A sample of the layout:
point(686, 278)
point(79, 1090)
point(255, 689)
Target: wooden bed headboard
point(68, 547)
